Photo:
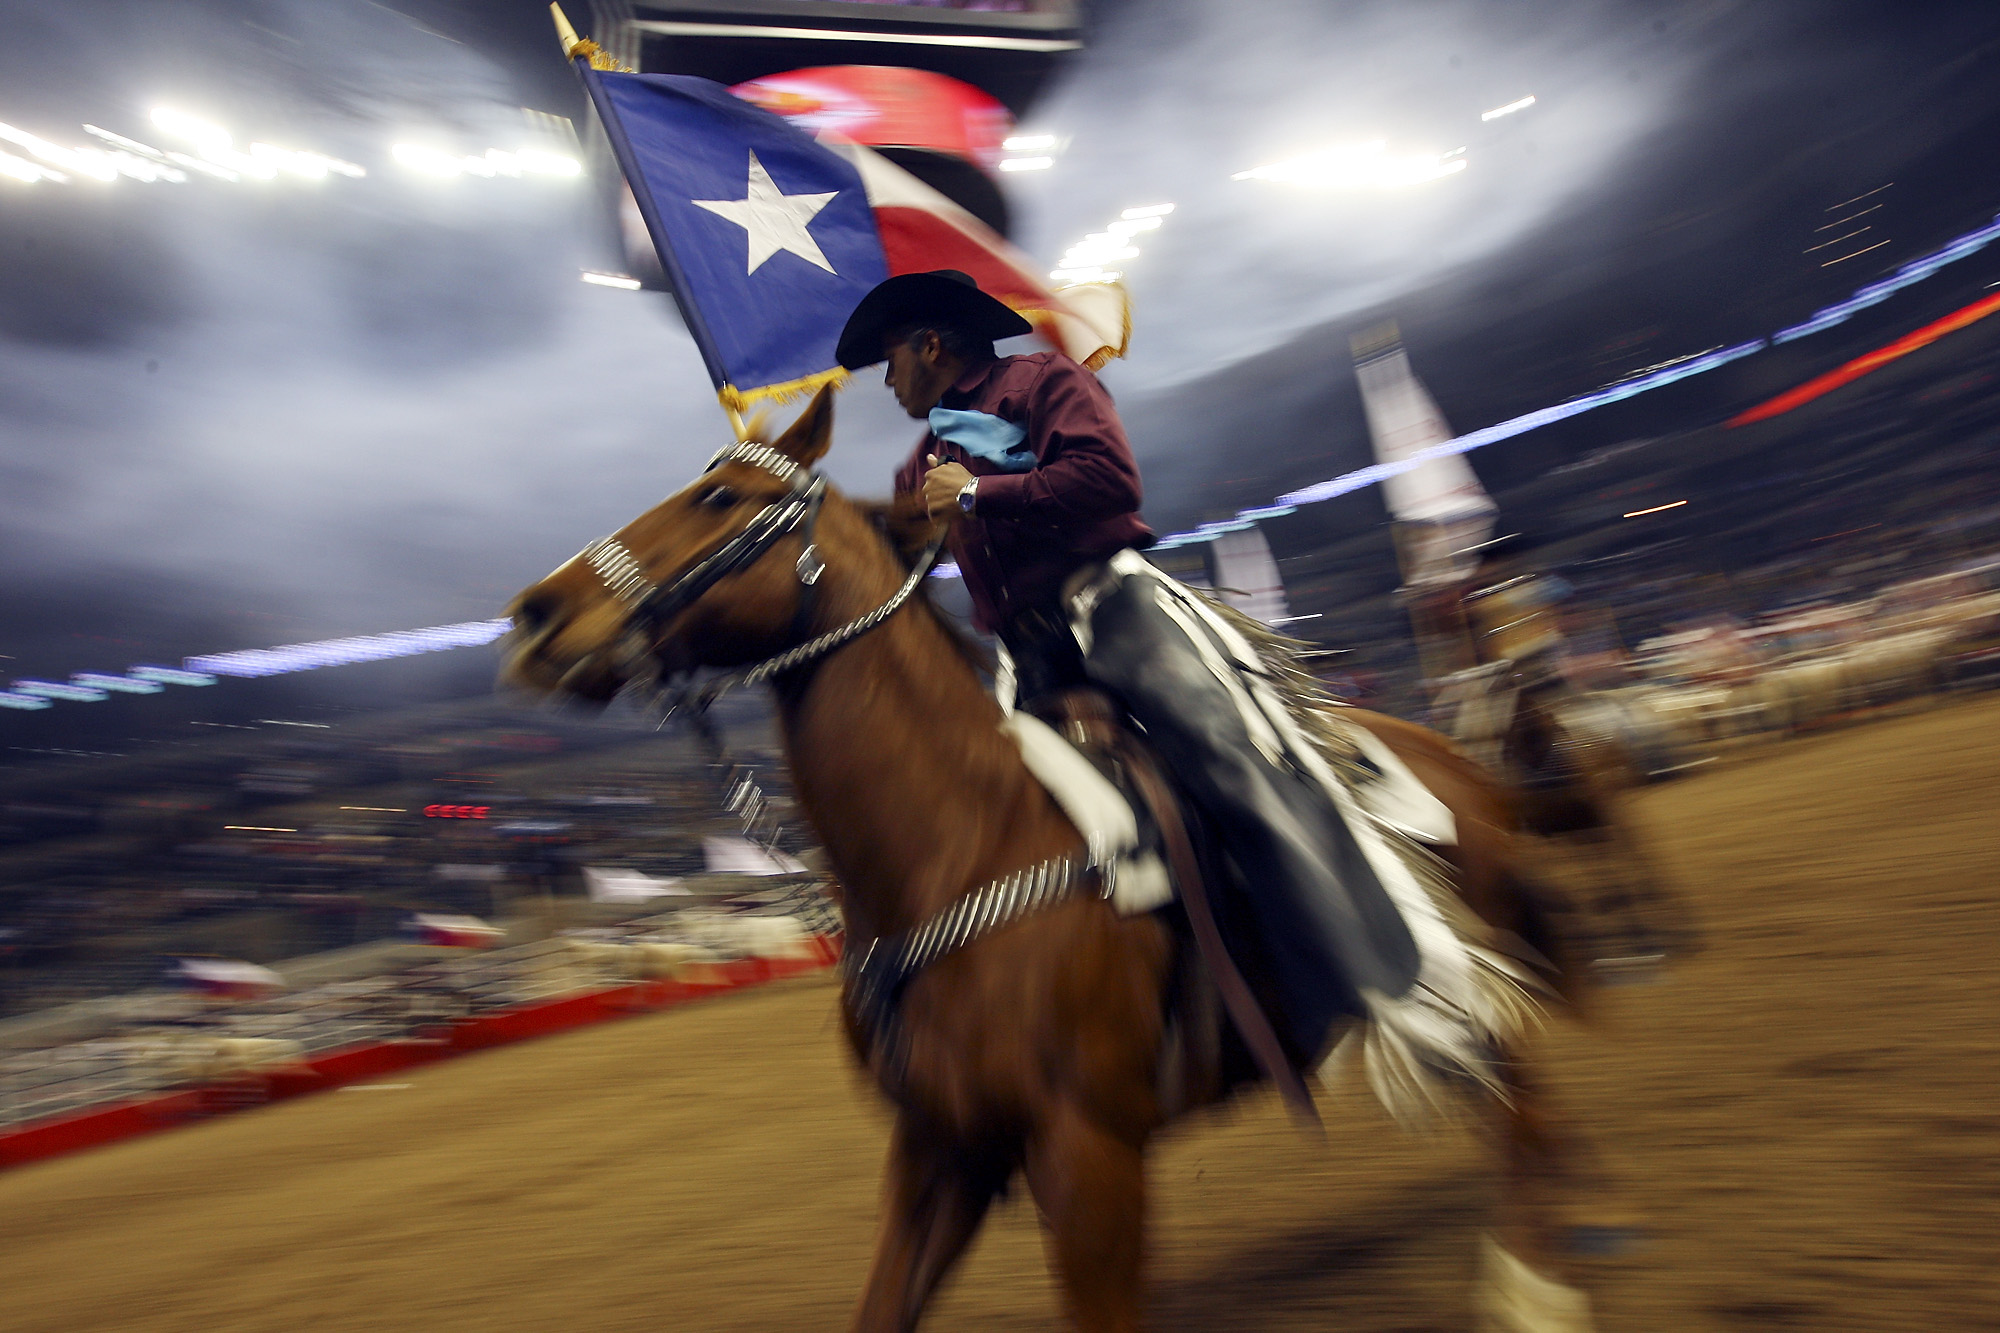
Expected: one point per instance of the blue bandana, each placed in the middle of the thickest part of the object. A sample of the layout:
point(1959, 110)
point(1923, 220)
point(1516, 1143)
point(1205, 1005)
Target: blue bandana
point(984, 436)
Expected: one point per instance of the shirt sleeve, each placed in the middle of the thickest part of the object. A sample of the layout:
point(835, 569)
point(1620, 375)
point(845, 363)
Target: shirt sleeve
point(1084, 468)
point(910, 476)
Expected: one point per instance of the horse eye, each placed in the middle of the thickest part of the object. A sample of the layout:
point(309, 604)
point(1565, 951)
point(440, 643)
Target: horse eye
point(719, 497)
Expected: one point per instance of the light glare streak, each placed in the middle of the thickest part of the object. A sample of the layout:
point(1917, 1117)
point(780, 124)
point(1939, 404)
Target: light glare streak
point(93, 680)
point(211, 139)
point(1027, 163)
point(21, 169)
point(290, 657)
point(1521, 104)
point(171, 675)
point(1864, 250)
point(1844, 221)
point(1641, 513)
point(493, 162)
point(48, 689)
point(1361, 166)
point(618, 280)
point(1875, 293)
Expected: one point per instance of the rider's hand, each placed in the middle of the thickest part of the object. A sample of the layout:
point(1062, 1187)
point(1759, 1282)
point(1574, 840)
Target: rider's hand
point(941, 486)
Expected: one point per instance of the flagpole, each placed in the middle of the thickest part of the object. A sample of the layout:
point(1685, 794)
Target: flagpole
point(588, 57)
point(565, 33)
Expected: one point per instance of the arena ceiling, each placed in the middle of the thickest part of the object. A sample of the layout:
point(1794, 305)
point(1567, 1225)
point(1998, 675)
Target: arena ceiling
point(234, 419)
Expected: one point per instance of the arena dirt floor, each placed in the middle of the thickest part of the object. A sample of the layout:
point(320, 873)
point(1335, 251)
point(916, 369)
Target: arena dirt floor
point(1799, 1120)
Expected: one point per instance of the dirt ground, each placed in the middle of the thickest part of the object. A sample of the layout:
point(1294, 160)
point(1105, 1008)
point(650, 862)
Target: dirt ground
point(1800, 1119)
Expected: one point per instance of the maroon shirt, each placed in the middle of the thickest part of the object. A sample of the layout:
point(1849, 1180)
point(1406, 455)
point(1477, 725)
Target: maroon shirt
point(1029, 531)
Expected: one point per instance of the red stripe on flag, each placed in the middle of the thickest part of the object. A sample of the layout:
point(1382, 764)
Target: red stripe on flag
point(1862, 365)
point(915, 240)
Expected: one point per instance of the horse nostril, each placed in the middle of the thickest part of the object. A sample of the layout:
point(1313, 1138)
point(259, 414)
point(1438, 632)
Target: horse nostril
point(537, 611)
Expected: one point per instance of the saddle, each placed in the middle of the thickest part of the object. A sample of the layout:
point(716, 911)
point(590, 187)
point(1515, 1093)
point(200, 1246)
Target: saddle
point(1219, 1034)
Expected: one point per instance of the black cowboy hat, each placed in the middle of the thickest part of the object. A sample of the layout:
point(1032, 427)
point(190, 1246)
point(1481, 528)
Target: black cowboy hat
point(946, 295)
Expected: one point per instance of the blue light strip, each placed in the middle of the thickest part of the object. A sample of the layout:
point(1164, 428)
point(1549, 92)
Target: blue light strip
point(91, 686)
point(1874, 294)
point(48, 689)
point(170, 676)
point(116, 684)
point(1505, 430)
point(290, 657)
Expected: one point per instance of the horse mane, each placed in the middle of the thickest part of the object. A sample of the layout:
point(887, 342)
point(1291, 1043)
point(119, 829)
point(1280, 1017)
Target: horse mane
point(907, 535)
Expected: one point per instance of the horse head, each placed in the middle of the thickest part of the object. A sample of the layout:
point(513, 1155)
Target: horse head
point(725, 571)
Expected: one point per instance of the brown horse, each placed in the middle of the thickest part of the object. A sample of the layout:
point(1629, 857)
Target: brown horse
point(1037, 1049)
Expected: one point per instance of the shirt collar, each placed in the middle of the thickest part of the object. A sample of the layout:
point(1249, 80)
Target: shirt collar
point(974, 377)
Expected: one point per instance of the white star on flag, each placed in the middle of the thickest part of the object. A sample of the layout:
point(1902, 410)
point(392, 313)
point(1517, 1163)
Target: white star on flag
point(772, 219)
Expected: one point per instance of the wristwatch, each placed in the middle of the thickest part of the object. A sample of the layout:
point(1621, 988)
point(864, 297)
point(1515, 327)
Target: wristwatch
point(968, 495)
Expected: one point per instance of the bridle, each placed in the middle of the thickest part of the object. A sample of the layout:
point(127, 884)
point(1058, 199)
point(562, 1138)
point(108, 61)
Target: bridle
point(650, 607)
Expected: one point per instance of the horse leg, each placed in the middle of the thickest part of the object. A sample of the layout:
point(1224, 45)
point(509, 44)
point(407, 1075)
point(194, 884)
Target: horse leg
point(1515, 1293)
point(1090, 1185)
point(935, 1199)
point(1655, 918)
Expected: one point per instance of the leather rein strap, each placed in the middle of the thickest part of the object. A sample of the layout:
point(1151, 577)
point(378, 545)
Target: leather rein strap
point(1237, 1000)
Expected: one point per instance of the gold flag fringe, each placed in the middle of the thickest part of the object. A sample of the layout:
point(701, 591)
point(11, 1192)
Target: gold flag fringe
point(1104, 356)
point(599, 58)
point(739, 400)
point(1044, 318)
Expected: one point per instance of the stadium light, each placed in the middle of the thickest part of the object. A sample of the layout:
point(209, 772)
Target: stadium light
point(21, 169)
point(1358, 167)
point(493, 162)
point(212, 140)
point(1027, 163)
point(419, 158)
point(1028, 143)
point(1520, 104)
point(206, 167)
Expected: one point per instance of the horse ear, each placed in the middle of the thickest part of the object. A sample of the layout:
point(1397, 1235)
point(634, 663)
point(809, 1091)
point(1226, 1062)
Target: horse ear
point(903, 521)
point(909, 528)
point(806, 440)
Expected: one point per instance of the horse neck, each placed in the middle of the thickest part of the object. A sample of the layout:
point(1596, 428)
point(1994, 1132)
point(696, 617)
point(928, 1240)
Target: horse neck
point(897, 757)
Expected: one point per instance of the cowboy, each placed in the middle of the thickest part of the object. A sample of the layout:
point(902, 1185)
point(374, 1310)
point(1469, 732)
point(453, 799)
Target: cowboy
point(1515, 610)
point(1027, 456)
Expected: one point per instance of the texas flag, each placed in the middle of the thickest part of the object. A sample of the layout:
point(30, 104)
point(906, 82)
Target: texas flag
point(228, 978)
point(442, 930)
point(771, 237)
